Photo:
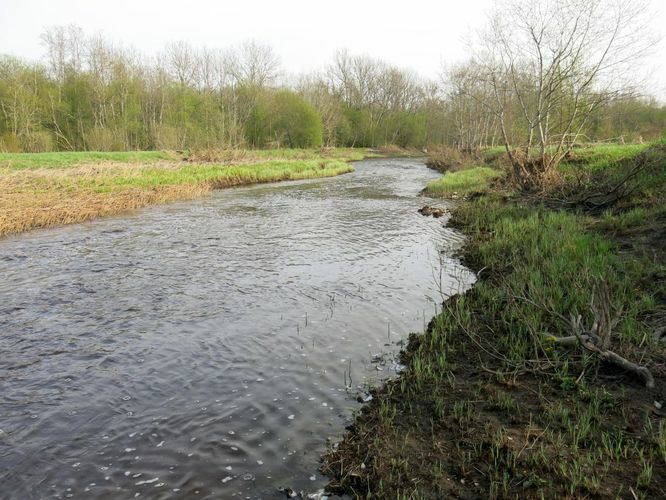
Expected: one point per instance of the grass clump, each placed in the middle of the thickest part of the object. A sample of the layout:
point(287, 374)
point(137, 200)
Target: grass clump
point(462, 182)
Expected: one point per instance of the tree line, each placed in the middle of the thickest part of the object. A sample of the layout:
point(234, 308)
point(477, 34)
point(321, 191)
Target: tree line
point(89, 94)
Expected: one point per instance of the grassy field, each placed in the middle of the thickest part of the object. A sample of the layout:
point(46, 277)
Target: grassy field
point(49, 189)
point(492, 404)
point(21, 161)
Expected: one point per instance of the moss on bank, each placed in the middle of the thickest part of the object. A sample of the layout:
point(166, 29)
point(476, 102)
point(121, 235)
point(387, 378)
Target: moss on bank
point(489, 406)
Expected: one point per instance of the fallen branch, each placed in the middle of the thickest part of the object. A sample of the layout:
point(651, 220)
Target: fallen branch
point(598, 338)
point(587, 342)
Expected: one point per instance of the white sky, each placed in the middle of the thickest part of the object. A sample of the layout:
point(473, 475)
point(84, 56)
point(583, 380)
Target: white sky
point(413, 34)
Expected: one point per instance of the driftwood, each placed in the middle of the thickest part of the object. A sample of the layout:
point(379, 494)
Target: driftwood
point(434, 211)
point(598, 338)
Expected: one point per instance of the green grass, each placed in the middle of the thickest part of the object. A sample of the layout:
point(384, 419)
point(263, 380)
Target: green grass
point(601, 156)
point(462, 182)
point(551, 259)
point(345, 154)
point(20, 161)
point(217, 175)
point(490, 154)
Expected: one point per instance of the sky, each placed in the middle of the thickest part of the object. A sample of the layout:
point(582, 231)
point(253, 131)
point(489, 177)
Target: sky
point(419, 35)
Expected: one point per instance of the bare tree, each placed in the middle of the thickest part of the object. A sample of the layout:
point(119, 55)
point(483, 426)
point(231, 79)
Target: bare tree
point(469, 96)
point(253, 64)
point(64, 47)
point(557, 61)
point(21, 105)
point(181, 62)
point(355, 78)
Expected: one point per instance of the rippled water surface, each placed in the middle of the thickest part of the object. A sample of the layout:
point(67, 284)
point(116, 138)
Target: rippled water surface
point(202, 349)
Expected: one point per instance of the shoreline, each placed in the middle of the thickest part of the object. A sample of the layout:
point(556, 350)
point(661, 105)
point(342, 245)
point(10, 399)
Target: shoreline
point(489, 408)
point(49, 190)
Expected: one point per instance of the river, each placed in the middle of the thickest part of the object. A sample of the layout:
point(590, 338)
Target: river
point(203, 349)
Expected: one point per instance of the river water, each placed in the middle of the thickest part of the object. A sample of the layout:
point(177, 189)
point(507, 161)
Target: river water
point(203, 349)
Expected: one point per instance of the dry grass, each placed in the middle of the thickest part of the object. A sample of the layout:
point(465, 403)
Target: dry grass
point(40, 197)
point(449, 159)
point(22, 209)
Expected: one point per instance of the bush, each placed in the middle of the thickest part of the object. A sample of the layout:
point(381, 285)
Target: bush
point(297, 121)
point(445, 159)
point(283, 118)
point(9, 143)
point(104, 139)
point(168, 138)
point(37, 142)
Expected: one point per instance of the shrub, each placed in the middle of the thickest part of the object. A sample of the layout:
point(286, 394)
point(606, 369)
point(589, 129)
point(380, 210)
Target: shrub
point(37, 142)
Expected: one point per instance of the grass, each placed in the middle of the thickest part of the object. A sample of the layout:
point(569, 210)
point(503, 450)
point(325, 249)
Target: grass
point(20, 161)
point(488, 406)
point(348, 154)
point(462, 182)
point(603, 156)
point(49, 189)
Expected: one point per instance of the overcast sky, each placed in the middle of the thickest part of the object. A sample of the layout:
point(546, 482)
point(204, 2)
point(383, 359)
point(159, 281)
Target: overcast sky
point(414, 34)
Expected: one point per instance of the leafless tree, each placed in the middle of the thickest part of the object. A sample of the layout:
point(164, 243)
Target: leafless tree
point(21, 106)
point(378, 88)
point(557, 61)
point(181, 62)
point(64, 49)
point(468, 98)
point(253, 64)
point(355, 78)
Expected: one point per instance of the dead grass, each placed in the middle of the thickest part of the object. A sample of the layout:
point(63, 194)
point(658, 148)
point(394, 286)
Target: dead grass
point(39, 197)
point(22, 210)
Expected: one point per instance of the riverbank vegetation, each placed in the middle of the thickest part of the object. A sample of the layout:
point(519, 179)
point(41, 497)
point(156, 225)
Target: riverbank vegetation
point(462, 182)
point(546, 379)
point(48, 189)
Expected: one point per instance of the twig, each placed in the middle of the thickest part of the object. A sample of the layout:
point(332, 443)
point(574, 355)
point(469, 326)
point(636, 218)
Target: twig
point(598, 338)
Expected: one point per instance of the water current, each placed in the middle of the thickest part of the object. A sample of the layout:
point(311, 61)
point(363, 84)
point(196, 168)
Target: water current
point(204, 349)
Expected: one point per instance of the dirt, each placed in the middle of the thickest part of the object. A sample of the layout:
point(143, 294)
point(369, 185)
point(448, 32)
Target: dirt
point(366, 461)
